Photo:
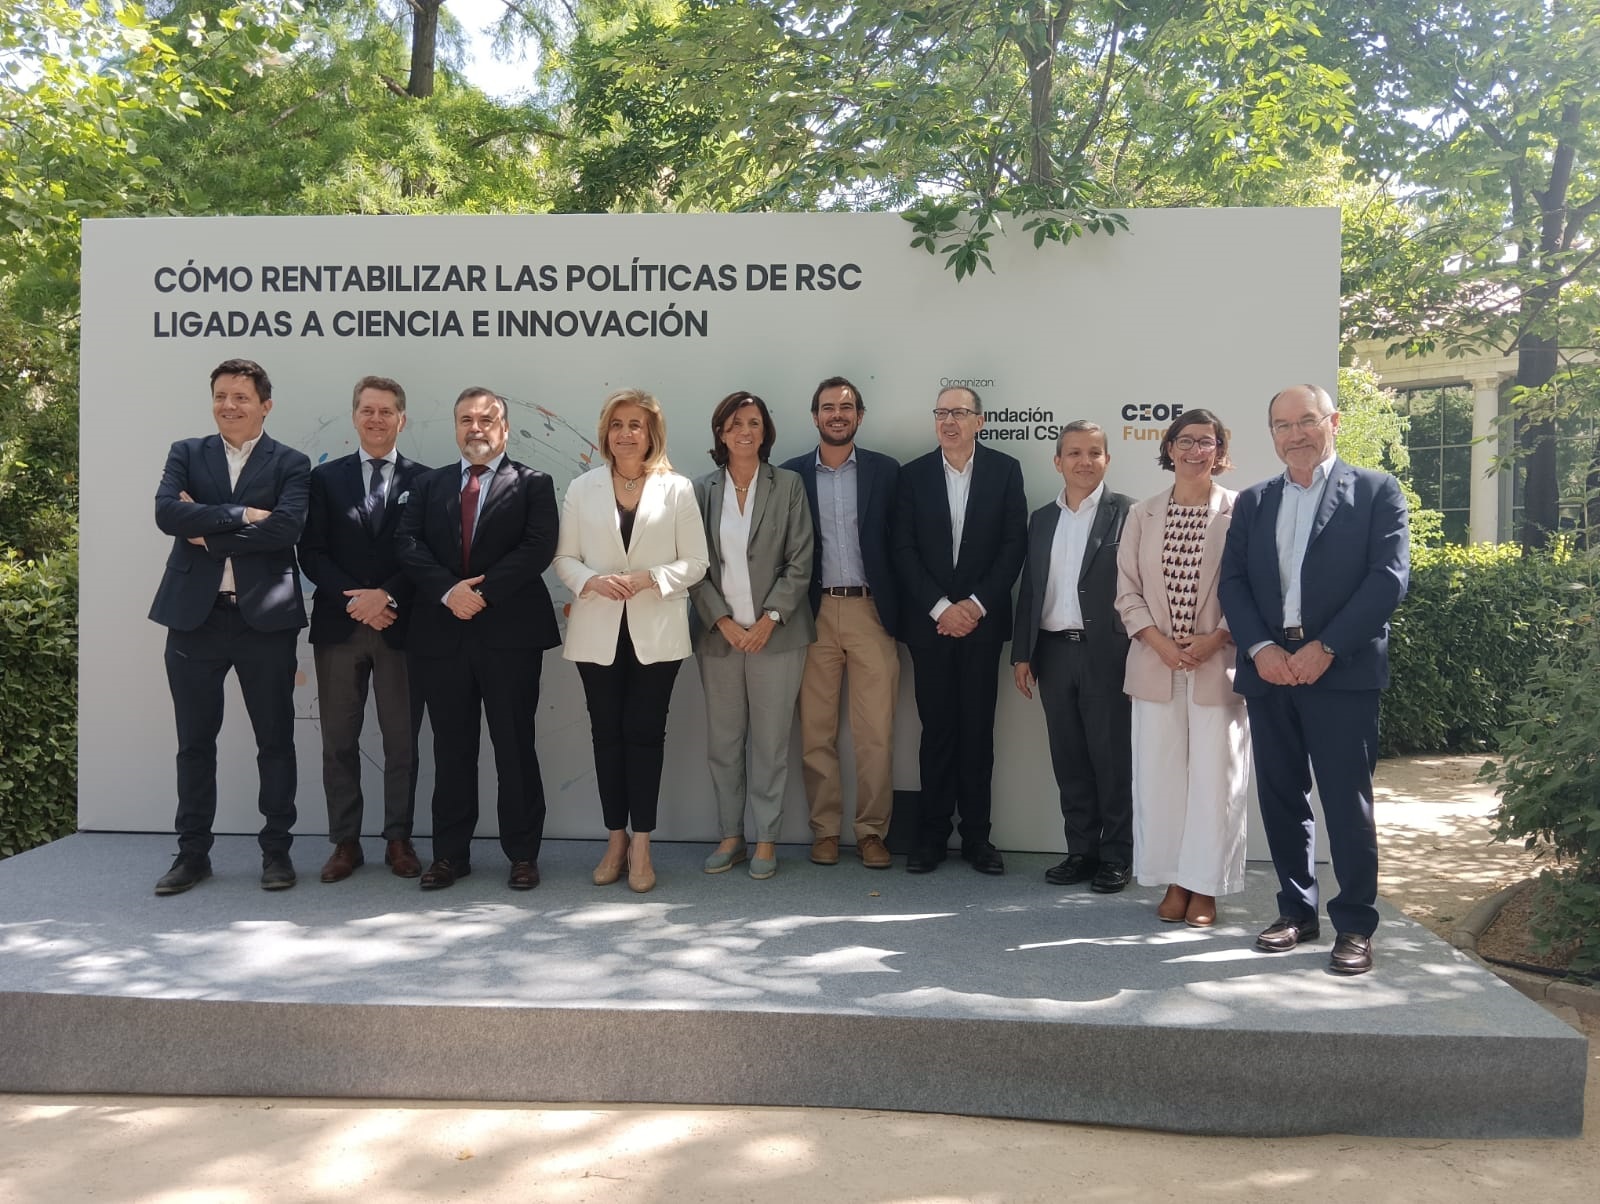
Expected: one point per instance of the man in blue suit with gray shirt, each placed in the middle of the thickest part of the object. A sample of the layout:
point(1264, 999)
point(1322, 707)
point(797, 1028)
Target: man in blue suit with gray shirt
point(1316, 561)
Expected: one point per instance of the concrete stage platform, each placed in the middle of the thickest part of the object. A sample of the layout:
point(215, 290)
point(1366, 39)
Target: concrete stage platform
point(825, 986)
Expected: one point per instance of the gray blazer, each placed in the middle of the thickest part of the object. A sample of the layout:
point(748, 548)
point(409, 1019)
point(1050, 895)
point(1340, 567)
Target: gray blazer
point(779, 554)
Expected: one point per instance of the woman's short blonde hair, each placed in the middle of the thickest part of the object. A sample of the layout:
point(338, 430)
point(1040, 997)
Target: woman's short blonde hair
point(655, 456)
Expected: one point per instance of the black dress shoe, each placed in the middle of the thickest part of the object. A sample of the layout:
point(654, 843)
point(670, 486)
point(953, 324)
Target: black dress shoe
point(444, 872)
point(1112, 877)
point(925, 860)
point(524, 875)
point(277, 871)
point(1075, 869)
point(1351, 954)
point(1283, 934)
point(983, 857)
point(187, 869)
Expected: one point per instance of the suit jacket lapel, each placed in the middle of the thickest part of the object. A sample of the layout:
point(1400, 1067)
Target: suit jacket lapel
point(713, 515)
point(254, 466)
point(1104, 514)
point(501, 485)
point(1339, 478)
point(763, 494)
point(216, 463)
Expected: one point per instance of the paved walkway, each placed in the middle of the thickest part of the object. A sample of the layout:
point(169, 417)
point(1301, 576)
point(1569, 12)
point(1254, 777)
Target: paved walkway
point(1437, 862)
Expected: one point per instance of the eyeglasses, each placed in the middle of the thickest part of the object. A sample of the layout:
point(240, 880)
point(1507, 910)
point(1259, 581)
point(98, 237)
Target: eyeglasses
point(958, 413)
point(1189, 443)
point(1303, 425)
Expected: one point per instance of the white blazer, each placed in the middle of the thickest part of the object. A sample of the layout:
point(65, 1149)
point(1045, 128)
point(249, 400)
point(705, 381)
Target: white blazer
point(668, 539)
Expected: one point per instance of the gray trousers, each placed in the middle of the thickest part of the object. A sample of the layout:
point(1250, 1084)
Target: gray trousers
point(750, 701)
point(343, 673)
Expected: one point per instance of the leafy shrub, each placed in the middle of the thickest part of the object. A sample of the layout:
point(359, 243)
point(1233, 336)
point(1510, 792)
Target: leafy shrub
point(1473, 622)
point(38, 700)
point(1549, 785)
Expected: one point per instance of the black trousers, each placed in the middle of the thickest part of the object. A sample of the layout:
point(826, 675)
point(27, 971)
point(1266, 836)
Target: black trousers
point(345, 671)
point(264, 662)
point(628, 705)
point(1090, 724)
point(502, 685)
point(957, 685)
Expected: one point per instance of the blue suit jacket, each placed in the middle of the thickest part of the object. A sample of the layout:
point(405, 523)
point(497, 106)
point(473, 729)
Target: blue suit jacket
point(994, 542)
point(877, 480)
point(275, 478)
point(338, 552)
point(1355, 572)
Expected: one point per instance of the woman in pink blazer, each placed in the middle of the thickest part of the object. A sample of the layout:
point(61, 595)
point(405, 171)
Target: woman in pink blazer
point(1191, 743)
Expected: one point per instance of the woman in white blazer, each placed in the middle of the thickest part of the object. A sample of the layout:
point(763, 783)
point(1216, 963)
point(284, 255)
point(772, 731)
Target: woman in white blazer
point(631, 545)
point(1191, 741)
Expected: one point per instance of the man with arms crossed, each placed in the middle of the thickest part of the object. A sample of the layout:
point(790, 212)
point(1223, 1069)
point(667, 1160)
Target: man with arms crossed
point(475, 538)
point(234, 504)
point(359, 618)
point(1316, 561)
point(960, 533)
point(853, 595)
point(1069, 639)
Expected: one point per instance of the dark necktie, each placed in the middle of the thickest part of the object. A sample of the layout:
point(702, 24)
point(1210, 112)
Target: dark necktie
point(372, 508)
point(469, 512)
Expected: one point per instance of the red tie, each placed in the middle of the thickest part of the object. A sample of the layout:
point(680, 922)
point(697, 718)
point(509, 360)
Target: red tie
point(469, 512)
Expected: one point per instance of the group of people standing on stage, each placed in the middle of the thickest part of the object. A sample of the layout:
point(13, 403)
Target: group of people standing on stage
point(1160, 636)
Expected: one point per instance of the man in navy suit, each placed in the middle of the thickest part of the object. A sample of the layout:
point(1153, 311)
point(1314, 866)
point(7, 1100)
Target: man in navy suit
point(359, 618)
point(960, 534)
point(475, 539)
point(853, 596)
point(1315, 563)
point(234, 504)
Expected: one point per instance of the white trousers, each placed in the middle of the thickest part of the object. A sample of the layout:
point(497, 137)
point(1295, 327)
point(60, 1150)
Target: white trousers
point(1191, 773)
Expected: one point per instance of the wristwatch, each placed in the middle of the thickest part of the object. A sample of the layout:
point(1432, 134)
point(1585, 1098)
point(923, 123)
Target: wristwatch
point(774, 616)
point(1327, 649)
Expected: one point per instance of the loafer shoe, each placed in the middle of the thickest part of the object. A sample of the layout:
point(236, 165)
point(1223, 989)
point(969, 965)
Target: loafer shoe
point(721, 863)
point(443, 872)
point(342, 862)
point(1111, 877)
point(277, 871)
point(983, 857)
point(825, 850)
point(763, 867)
point(1283, 934)
point(187, 870)
point(1351, 954)
point(1078, 867)
point(401, 858)
point(925, 860)
point(524, 875)
point(874, 853)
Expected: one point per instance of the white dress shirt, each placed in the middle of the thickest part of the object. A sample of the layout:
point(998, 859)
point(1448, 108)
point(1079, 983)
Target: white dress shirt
point(1062, 610)
point(237, 457)
point(734, 531)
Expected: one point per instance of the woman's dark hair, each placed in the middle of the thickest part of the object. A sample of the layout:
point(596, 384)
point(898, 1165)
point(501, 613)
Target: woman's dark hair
point(725, 410)
point(1196, 418)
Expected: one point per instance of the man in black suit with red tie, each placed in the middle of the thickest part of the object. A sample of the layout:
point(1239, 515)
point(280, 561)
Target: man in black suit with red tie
point(234, 504)
point(960, 534)
point(359, 618)
point(475, 539)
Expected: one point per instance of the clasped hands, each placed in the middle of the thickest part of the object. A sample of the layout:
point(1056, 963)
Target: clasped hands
point(959, 619)
point(750, 639)
point(252, 514)
point(619, 587)
point(370, 606)
point(1186, 652)
point(1278, 667)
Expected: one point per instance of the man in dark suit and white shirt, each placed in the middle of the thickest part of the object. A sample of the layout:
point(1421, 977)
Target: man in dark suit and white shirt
point(853, 596)
point(359, 617)
point(1069, 639)
point(234, 504)
point(1316, 561)
point(960, 528)
point(475, 538)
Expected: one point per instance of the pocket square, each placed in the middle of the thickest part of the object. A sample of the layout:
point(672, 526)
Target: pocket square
point(403, 498)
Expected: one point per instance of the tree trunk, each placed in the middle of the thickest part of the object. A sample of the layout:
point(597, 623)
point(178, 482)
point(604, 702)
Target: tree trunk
point(424, 45)
point(1536, 367)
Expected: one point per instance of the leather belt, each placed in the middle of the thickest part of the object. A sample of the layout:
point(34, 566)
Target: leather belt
point(847, 591)
point(1298, 634)
point(1075, 634)
point(228, 600)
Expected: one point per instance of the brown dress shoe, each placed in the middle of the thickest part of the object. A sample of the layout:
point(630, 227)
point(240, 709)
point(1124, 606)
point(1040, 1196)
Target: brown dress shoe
point(1201, 912)
point(825, 850)
point(524, 875)
point(874, 853)
point(343, 861)
point(402, 859)
point(1174, 905)
point(443, 873)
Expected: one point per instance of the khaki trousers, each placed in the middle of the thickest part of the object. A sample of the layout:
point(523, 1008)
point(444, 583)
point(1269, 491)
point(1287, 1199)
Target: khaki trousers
point(849, 636)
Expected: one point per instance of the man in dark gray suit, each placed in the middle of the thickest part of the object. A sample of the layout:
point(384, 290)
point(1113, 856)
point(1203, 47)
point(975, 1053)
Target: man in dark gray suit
point(359, 618)
point(853, 595)
point(1069, 639)
point(234, 504)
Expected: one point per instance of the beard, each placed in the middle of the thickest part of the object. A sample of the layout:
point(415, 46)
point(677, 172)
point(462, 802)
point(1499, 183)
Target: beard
point(833, 440)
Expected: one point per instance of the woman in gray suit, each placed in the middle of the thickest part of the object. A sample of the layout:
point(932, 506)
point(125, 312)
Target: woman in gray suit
point(754, 625)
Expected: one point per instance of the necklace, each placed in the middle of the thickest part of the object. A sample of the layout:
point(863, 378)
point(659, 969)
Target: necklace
point(630, 483)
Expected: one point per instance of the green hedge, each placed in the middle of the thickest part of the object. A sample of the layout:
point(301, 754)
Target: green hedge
point(38, 701)
point(1465, 639)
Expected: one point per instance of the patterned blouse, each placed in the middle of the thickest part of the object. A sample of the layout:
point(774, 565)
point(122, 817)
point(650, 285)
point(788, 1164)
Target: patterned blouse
point(1181, 548)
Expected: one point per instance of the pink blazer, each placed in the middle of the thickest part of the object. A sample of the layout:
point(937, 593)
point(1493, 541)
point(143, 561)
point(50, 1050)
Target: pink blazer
point(1142, 602)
